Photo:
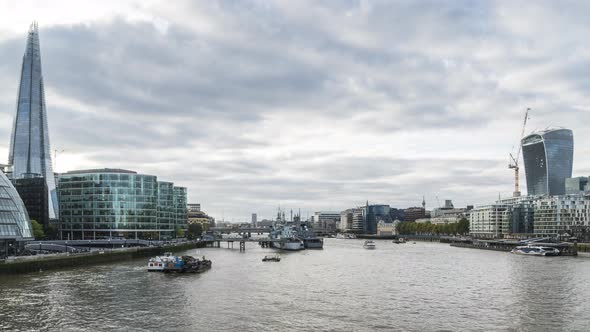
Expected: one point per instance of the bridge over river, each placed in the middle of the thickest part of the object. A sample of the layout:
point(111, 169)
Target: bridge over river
point(262, 241)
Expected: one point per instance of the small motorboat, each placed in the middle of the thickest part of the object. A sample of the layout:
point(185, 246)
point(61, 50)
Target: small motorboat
point(535, 250)
point(399, 240)
point(271, 258)
point(369, 245)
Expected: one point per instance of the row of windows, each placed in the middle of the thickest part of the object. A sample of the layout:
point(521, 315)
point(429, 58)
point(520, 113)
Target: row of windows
point(107, 177)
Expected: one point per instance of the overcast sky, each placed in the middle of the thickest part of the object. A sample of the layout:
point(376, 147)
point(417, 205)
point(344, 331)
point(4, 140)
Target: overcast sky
point(318, 105)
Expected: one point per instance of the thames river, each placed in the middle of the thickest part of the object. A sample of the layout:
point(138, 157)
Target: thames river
point(397, 287)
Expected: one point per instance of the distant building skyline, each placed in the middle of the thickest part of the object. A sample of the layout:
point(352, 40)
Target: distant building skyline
point(30, 152)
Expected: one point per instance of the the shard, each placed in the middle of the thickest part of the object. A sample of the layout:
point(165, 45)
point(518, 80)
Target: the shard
point(30, 153)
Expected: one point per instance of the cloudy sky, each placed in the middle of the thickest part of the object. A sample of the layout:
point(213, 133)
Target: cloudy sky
point(318, 105)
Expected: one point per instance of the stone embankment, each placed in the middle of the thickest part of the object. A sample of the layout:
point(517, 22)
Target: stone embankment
point(37, 263)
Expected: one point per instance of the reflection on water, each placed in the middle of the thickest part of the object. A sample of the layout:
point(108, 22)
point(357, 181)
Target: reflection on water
point(413, 287)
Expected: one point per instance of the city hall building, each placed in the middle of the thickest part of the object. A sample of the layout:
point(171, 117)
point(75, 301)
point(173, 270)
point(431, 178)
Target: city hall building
point(104, 203)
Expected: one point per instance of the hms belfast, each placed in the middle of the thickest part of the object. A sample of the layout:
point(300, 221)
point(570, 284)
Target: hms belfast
point(295, 234)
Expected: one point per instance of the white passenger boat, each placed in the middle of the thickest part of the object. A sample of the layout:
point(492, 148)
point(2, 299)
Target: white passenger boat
point(156, 264)
point(369, 245)
point(535, 250)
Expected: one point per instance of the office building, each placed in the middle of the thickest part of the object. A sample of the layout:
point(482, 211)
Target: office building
point(254, 219)
point(374, 214)
point(194, 206)
point(30, 152)
point(548, 159)
point(180, 210)
point(196, 216)
point(33, 192)
point(358, 220)
point(532, 216)
point(576, 185)
point(387, 228)
point(322, 216)
point(346, 220)
point(326, 220)
point(487, 221)
point(166, 213)
point(414, 213)
point(103, 203)
point(555, 214)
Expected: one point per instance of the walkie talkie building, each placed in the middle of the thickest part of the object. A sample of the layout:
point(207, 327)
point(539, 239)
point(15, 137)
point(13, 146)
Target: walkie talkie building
point(548, 160)
point(30, 153)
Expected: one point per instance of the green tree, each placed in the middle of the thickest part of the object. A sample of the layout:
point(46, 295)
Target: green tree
point(179, 231)
point(38, 232)
point(463, 226)
point(194, 231)
point(51, 232)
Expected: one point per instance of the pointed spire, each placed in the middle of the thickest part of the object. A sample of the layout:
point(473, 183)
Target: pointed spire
point(30, 151)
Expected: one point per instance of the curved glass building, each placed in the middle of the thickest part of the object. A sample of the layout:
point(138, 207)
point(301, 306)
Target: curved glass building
point(14, 220)
point(104, 203)
point(548, 160)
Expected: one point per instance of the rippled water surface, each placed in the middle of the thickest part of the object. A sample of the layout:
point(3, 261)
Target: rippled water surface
point(405, 287)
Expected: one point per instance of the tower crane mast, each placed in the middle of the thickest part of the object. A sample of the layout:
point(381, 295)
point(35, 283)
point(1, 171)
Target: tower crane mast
point(514, 159)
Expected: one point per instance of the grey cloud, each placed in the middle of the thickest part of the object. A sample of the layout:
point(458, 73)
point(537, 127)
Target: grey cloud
point(197, 107)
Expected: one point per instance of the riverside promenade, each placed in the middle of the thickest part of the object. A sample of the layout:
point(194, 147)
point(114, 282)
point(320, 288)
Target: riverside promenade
point(24, 264)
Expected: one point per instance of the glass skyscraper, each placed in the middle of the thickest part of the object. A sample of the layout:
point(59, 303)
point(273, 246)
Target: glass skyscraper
point(548, 160)
point(30, 153)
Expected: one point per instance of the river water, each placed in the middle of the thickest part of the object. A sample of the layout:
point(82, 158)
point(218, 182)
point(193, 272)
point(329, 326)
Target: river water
point(397, 287)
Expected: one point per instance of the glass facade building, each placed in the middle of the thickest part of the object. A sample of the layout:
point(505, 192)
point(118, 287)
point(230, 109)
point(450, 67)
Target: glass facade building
point(166, 209)
point(30, 153)
point(548, 159)
point(14, 219)
point(103, 203)
point(180, 209)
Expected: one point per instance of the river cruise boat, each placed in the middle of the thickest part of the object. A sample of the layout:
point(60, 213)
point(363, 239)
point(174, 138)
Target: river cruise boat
point(535, 250)
point(369, 245)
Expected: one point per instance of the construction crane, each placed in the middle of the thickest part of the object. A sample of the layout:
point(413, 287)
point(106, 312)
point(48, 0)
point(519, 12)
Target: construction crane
point(515, 159)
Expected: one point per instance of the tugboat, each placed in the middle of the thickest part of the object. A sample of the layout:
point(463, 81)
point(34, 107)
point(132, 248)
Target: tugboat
point(369, 245)
point(535, 250)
